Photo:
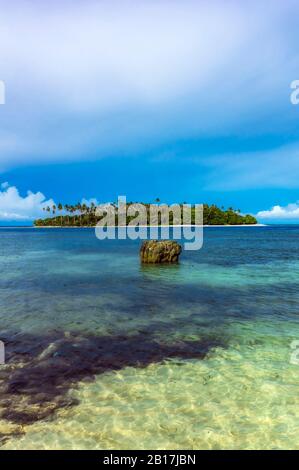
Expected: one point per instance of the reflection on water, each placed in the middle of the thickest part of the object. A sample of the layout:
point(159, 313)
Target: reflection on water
point(105, 353)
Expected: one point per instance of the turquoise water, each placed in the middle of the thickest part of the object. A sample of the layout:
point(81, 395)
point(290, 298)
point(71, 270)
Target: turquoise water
point(105, 353)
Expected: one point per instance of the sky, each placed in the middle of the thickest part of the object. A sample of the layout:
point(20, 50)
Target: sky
point(185, 100)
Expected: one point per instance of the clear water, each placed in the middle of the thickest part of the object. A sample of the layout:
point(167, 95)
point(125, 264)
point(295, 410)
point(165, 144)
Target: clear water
point(103, 353)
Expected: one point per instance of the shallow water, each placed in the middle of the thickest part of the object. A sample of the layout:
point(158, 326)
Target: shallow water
point(105, 353)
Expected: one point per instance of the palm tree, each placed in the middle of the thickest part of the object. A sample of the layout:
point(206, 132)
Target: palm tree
point(72, 209)
point(93, 212)
point(84, 209)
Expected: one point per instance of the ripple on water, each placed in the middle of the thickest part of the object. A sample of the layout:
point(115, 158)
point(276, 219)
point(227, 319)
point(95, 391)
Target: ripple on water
point(228, 400)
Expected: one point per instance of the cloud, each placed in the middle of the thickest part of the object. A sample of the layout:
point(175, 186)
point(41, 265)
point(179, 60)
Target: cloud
point(106, 78)
point(14, 207)
point(289, 212)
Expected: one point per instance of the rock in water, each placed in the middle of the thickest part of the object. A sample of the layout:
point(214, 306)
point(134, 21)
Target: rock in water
point(160, 251)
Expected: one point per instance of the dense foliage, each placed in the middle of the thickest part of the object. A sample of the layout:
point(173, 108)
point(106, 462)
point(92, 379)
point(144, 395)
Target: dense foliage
point(81, 215)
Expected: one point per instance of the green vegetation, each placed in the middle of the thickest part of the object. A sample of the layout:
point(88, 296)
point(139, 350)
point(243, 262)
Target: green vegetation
point(81, 215)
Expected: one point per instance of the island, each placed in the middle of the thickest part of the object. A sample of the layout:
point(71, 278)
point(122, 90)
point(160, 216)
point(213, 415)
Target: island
point(83, 215)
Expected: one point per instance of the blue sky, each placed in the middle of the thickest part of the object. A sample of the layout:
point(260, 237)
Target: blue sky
point(181, 100)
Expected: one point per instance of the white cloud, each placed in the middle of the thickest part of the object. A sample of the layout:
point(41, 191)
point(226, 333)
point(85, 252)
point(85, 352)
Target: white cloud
point(289, 212)
point(14, 207)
